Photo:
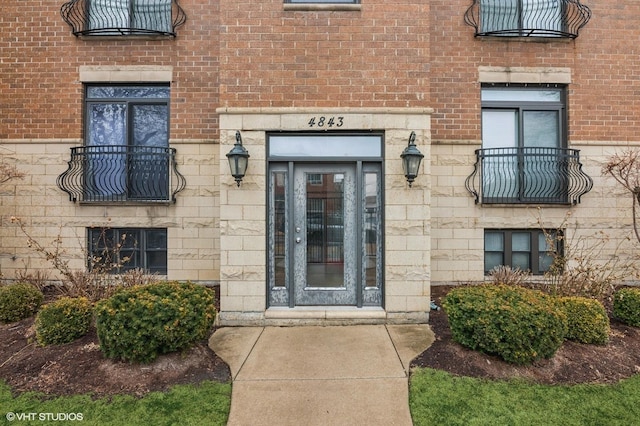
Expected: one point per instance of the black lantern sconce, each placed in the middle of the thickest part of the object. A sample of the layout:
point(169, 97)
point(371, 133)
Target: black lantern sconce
point(238, 159)
point(411, 158)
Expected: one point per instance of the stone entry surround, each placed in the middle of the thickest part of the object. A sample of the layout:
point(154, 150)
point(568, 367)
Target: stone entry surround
point(407, 257)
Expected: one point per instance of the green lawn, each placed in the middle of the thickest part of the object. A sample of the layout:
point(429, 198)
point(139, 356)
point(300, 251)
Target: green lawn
point(204, 404)
point(440, 398)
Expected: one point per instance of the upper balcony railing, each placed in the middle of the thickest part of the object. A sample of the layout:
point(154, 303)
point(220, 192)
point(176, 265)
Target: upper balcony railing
point(120, 173)
point(123, 17)
point(528, 176)
point(527, 18)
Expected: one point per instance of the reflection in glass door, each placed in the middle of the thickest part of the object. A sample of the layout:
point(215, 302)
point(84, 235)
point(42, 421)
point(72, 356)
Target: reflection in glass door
point(325, 229)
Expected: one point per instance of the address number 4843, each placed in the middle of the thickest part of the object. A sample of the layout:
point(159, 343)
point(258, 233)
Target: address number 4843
point(326, 121)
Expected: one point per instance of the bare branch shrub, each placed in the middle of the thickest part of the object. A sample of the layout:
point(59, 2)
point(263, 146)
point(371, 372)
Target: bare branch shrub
point(587, 265)
point(625, 169)
point(39, 279)
point(506, 275)
point(8, 172)
point(98, 281)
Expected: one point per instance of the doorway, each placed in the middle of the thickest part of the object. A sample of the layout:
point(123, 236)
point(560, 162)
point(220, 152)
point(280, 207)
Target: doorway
point(325, 225)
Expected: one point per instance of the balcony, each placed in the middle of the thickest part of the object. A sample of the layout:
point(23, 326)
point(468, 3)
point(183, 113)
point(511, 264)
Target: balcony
point(120, 173)
point(123, 17)
point(528, 176)
point(527, 18)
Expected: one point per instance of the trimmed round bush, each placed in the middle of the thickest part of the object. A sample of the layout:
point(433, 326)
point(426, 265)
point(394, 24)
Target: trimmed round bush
point(587, 320)
point(139, 323)
point(63, 320)
point(626, 306)
point(19, 301)
point(517, 324)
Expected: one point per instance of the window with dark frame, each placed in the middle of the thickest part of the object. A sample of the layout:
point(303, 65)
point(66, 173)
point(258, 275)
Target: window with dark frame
point(117, 250)
point(127, 143)
point(521, 17)
point(120, 17)
point(530, 250)
point(524, 137)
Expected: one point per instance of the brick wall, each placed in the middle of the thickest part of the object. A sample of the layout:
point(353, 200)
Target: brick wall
point(372, 57)
point(41, 96)
point(41, 112)
point(603, 97)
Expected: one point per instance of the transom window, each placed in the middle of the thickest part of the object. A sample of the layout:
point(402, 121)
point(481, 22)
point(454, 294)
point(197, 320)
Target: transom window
point(526, 249)
point(116, 250)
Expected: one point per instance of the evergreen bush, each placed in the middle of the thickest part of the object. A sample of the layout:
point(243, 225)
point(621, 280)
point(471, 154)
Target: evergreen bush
point(142, 322)
point(515, 323)
point(587, 320)
point(19, 301)
point(63, 321)
point(626, 306)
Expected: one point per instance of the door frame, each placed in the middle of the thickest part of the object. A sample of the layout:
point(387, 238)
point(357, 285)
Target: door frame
point(284, 296)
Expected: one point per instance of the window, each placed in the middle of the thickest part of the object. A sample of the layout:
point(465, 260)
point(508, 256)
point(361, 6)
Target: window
point(130, 16)
point(121, 249)
point(521, 17)
point(314, 179)
point(525, 249)
point(324, 1)
point(127, 155)
point(523, 141)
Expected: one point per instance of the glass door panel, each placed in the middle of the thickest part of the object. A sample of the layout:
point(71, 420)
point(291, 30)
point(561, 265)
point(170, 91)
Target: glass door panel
point(325, 235)
point(325, 230)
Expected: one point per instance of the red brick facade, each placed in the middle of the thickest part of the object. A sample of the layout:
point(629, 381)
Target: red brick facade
point(257, 54)
point(41, 94)
point(258, 67)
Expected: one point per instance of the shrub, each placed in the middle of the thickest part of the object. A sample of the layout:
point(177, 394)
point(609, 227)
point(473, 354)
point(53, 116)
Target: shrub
point(517, 324)
point(63, 321)
point(19, 301)
point(587, 320)
point(626, 306)
point(140, 323)
point(505, 275)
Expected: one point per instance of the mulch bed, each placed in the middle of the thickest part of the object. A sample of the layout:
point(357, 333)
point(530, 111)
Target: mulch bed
point(79, 367)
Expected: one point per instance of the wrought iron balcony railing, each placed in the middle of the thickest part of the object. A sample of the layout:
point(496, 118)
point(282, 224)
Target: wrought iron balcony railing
point(527, 18)
point(123, 17)
point(121, 173)
point(528, 175)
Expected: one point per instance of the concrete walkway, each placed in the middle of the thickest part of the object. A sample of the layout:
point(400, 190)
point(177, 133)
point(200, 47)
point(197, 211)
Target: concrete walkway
point(342, 375)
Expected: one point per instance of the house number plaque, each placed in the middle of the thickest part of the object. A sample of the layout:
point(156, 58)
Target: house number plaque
point(325, 121)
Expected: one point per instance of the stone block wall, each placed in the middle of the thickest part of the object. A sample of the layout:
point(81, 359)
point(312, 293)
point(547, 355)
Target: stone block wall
point(243, 254)
point(47, 213)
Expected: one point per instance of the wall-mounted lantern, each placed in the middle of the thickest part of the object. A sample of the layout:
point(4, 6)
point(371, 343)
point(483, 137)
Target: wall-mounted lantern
point(238, 159)
point(411, 158)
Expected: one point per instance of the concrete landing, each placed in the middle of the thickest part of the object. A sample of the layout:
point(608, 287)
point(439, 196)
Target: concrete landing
point(342, 375)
